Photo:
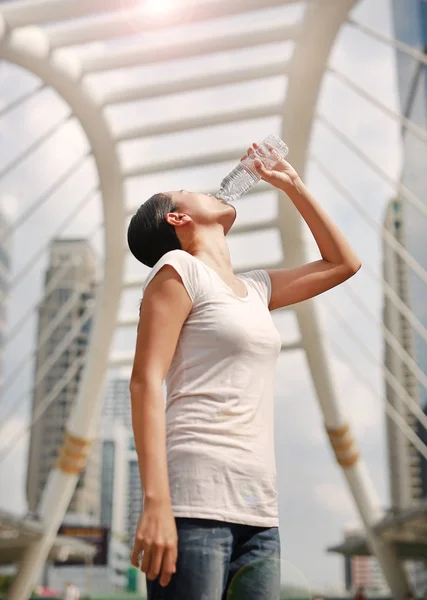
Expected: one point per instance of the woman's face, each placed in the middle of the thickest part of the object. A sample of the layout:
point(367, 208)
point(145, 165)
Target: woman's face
point(204, 209)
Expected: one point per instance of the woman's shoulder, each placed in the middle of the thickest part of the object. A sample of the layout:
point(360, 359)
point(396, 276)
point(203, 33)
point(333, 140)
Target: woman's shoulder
point(182, 263)
point(175, 255)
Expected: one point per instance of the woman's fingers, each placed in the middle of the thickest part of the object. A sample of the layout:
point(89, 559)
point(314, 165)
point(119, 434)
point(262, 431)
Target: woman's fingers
point(146, 558)
point(169, 565)
point(155, 562)
point(137, 549)
point(265, 173)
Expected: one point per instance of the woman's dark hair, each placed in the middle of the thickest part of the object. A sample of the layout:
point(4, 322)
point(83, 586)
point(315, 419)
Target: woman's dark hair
point(149, 234)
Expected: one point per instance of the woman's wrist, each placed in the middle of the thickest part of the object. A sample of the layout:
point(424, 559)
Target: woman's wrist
point(293, 185)
point(157, 500)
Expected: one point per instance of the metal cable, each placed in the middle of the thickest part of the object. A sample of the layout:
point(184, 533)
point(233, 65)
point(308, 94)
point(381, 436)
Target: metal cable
point(415, 129)
point(53, 323)
point(45, 196)
point(402, 190)
point(397, 302)
point(34, 146)
point(389, 409)
point(404, 356)
point(21, 100)
point(412, 405)
point(385, 235)
point(62, 227)
point(43, 370)
point(404, 48)
point(42, 407)
point(59, 316)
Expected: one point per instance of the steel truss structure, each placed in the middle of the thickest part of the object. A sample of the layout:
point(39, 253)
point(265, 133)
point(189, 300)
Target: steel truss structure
point(39, 36)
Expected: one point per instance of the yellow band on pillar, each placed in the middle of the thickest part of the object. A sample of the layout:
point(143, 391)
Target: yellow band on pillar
point(73, 455)
point(344, 446)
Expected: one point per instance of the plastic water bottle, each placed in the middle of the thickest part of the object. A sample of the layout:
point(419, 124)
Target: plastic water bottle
point(244, 175)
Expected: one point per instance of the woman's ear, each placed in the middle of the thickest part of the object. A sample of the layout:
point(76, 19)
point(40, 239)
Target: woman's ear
point(177, 219)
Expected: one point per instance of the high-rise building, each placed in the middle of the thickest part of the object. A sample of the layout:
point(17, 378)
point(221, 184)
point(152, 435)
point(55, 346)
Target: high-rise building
point(405, 462)
point(4, 277)
point(114, 440)
point(407, 467)
point(410, 25)
point(117, 407)
point(117, 401)
point(134, 491)
point(64, 324)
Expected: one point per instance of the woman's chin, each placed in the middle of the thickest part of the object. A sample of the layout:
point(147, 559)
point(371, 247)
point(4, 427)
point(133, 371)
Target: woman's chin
point(231, 217)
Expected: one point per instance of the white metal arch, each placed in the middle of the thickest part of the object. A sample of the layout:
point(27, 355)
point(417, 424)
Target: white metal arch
point(306, 75)
point(32, 49)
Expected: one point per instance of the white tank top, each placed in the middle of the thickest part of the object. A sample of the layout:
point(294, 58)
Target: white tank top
point(220, 399)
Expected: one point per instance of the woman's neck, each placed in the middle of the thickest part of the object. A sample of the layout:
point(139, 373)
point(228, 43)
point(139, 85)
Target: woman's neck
point(211, 247)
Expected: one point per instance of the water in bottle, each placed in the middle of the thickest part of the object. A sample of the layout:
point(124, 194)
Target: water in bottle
point(244, 175)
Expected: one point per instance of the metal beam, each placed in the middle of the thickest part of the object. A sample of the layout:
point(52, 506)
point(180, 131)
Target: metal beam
point(141, 55)
point(139, 20)
point(248, 227)
point(199, 82)
point(22, 13)
point(30, 50)
point(261, 188)
point(191, 123)
point(186, 162)
point(323, 20)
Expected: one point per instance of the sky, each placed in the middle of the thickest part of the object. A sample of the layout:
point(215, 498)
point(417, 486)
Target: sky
point(315, 505)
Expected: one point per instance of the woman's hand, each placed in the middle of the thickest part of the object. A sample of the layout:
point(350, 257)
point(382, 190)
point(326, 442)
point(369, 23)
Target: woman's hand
point(281, 176)
point(157, 538)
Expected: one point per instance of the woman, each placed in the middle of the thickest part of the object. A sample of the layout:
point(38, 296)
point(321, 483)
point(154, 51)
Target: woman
point(209, 526)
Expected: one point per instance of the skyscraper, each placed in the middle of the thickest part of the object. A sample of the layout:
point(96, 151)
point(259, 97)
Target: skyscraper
point(410, 25)
point(407, 467)
point(114, 439)
point(62, 339)
point(134, 491)
point(117, 408)
point(117, 401)
point(405, 463)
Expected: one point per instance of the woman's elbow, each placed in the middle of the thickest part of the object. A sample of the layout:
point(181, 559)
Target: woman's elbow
point(351, 268)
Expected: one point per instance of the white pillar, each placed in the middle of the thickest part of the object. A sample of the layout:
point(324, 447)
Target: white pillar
point(30, 49)
point(322, 22)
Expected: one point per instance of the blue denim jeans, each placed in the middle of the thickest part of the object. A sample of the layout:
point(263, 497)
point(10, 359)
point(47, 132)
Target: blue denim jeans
point(223, 561)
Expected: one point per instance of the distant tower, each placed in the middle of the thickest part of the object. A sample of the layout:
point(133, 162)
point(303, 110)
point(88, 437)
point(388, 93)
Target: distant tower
point(404, 460)
point(117, 401)
point(410, 25)
point(134, 491)
point(72, 267)
point(114, 441)
point(117, 408)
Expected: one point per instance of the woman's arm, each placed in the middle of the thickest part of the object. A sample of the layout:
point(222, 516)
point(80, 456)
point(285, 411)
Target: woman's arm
point(164, 309)
point(338, 263)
